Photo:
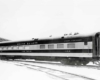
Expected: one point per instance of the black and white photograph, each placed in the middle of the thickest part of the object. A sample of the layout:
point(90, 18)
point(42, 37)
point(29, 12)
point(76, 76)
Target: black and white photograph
point(49, 39)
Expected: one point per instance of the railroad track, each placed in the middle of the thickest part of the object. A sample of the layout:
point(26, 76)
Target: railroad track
point(63, 75)
point(59, 64)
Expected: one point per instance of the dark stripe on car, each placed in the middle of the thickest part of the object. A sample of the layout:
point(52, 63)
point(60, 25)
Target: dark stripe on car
point(49, 51)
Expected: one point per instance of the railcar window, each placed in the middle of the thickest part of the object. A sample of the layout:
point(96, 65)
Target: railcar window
point(21, 47)
point(10, 47)
point(71, 45)
point(50, 46)
point(4, 48)
point(42, 46)
point(60, 45)
point(27, 47)
point(15, 47)
point(0, 48)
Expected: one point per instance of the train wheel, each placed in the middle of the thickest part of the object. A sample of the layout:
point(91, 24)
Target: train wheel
point(71, 61)
point(64, 61)
point(78, 62)
point(85, 62)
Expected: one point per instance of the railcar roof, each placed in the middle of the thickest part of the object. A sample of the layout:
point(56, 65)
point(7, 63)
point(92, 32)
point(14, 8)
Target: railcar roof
point(52, 38)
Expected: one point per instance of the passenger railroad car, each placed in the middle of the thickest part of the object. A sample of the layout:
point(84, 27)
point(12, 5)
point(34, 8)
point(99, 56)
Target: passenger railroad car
point(71, 49)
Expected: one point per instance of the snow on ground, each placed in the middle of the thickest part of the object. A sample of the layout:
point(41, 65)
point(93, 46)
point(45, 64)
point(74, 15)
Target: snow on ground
point(87, 72)
point(9, 71)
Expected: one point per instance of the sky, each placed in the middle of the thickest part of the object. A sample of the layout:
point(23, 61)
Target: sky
point(27, 19)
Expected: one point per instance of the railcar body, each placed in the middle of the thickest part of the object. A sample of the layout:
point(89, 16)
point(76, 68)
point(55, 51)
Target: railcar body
point(77, 49)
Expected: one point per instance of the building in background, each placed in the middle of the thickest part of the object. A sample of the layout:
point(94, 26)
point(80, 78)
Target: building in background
point(2, 39)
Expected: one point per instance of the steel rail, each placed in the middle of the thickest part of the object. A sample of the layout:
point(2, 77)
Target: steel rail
point(59, 64)
point(53, 72)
